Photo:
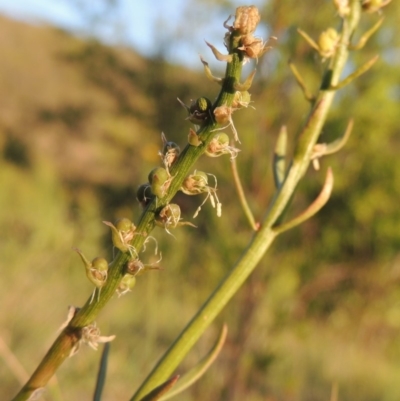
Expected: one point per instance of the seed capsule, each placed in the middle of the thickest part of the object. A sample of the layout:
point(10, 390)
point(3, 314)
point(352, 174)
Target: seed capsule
point(144, 194)
point(327, 42)
point(126, 284)
point(199, 111)
point(121, 234)
point(195, 183)
point(170, 215)
point(96, 271)
point(219, 146)
point(159, 180)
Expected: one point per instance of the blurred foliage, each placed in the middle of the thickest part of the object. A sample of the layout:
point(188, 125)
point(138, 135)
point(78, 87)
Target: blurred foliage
point(80, 127)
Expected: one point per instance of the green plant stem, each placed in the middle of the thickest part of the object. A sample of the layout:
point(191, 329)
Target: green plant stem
point(265, 236)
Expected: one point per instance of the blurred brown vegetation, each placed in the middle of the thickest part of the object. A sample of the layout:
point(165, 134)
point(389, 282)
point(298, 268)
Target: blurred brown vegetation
point(80, 127)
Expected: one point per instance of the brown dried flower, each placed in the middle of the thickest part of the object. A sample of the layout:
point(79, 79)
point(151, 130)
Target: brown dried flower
point(246, 19)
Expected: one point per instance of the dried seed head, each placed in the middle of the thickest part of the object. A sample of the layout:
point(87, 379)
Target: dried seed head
point(246, 19)
point(91, 336)
point(144, 194)
point(252, 47)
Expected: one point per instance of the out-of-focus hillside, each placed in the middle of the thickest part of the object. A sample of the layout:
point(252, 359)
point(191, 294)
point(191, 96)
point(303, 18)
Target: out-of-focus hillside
point(80, 127)
point(77, 103)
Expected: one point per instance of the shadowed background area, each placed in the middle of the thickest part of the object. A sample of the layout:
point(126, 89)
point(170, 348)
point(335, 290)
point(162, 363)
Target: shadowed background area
point(81, 116)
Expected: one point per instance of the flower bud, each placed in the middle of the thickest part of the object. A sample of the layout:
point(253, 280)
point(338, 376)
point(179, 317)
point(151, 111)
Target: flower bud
point(327, 42)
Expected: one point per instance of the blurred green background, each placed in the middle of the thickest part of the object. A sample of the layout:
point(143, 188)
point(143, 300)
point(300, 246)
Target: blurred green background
point(80, 128)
